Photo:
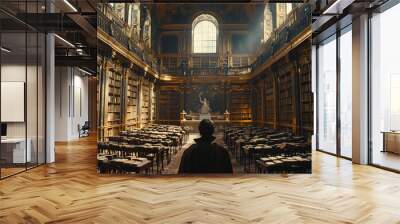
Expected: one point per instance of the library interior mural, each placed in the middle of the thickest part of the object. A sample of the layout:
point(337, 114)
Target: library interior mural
point(167, 70)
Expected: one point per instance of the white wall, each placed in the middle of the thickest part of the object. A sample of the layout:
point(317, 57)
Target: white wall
point(33, 127)
point(16, 73)
point(71, 102)
point(80, 111)
point(12, 73)
point(61, 103)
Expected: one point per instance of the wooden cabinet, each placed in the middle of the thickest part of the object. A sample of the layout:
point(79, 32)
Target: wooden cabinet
point(391, 142)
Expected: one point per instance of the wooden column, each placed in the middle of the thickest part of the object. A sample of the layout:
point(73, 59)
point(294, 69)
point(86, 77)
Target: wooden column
point(262, 84)
point(228, 97)
point(296, 96)
point(101, 101)
point(276, 97)
point(182, 93)
point(124, 92)
point(107, 68)
point(139, 102)
point(157, 102)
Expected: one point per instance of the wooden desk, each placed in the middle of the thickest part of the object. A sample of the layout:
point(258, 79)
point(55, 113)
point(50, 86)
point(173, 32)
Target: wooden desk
point(391, 141)
point(13, 150)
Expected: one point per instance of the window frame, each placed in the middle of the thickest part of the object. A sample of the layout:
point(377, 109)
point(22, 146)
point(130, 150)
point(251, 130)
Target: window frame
point(335, 36)
point(201, 18)
point(371, 14)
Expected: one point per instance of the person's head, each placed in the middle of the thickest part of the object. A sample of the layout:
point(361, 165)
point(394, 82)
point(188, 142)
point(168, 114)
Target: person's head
point(206, 128)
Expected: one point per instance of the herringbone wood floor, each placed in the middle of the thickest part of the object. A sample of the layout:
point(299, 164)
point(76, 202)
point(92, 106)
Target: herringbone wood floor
point(70, 191)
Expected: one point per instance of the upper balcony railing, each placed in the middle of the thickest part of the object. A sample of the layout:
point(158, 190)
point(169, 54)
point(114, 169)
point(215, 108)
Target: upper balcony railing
point(117, 31)
point(205, 65)
point(297, 21)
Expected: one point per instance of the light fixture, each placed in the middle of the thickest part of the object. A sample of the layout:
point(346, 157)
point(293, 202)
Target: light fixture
point(65, 41)
point(5, 50)
point(84, 71)
point(70, 5)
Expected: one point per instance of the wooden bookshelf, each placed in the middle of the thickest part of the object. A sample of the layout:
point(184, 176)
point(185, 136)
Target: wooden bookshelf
point(286, 114)
point(306, 96)
point(270, 100)
point(153, 98)
point(113, 101)
point(100, 133)
point(145, 103)
point(240, 108)
point(168, 109)
point(257, 102)
point(131, 100)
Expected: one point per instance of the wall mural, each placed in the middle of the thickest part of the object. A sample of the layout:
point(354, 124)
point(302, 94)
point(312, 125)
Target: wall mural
point(273, 145)
point(205, 97)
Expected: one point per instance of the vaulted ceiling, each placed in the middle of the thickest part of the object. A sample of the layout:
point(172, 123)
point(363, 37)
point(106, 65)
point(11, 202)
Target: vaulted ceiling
point(225, 13)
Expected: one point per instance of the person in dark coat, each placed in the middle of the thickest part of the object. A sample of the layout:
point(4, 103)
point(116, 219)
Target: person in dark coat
point(205, 156)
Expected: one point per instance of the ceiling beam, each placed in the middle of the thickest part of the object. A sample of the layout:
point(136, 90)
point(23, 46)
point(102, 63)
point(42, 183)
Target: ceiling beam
point(78, 61)
point(84, 24)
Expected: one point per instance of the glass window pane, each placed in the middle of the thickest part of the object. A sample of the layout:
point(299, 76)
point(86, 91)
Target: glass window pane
point(31, 100)
point(205, 37)
point(346, 94)
point(327, 96)
point(385, 84)
point(14, 153)
point(23, 84)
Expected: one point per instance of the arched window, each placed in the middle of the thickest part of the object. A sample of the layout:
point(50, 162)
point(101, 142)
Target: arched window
point(268, 23)
point(205, 32)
